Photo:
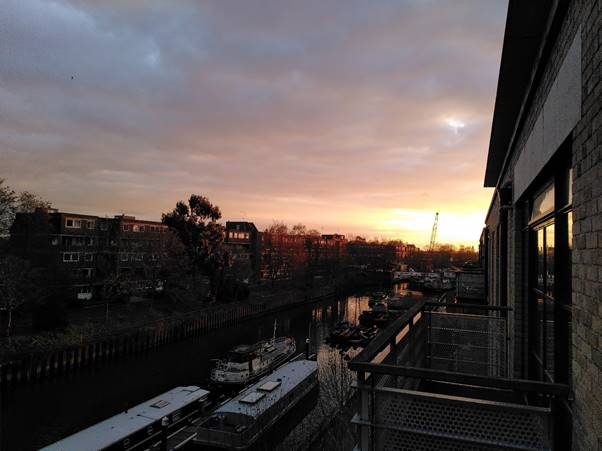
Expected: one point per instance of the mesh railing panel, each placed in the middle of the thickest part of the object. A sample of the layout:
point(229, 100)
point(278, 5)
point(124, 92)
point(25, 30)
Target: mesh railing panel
point(474, 344)
point(414, 421)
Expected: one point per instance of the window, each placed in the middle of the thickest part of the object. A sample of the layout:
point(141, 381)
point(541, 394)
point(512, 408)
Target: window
point(84, 293)
point(88, 257)
point(549, 233)
point(104, 226)
point(135, 228)
point(123, 257)
point(73, 223)
point(70, 256)
point(127, 227)
point(91, 225)
point(142, 228)
point(90, 241)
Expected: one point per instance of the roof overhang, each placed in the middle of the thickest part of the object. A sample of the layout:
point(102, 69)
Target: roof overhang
point(525, 27)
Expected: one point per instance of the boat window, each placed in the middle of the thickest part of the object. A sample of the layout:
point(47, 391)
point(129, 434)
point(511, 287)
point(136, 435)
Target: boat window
point(237, 357)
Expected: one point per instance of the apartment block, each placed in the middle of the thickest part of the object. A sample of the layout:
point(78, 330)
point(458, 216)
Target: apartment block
point(83, 251)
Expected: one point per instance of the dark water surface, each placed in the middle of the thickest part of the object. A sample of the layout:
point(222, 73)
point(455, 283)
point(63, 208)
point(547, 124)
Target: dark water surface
point(40, 413)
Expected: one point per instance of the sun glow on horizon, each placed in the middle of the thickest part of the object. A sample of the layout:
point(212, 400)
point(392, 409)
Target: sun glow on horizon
point(453, 227)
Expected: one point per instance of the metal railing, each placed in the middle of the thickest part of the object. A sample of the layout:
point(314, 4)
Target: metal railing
point(437, 378)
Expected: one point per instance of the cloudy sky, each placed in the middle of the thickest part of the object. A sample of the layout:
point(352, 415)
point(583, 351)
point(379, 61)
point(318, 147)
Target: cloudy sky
point(363, 117)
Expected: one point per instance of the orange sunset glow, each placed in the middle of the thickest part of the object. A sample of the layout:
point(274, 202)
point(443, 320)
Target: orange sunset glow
point(364, 125)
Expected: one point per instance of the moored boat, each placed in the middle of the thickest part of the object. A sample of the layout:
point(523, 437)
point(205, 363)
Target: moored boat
point(142, 426)
point(245, 420)
point(246, 363)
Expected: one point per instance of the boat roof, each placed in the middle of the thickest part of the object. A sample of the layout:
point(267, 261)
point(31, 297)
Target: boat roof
point(288, 375)
point(245, 348)
point(114, 429)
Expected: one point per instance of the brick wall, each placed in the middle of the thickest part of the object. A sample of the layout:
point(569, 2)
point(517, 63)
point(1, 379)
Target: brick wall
point(583, 17)
point(587, 239)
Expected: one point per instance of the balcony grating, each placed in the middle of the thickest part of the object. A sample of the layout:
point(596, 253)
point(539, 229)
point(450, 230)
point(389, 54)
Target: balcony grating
point(409, 420)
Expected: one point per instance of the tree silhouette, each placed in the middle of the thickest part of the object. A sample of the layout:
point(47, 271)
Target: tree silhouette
point(195, 224)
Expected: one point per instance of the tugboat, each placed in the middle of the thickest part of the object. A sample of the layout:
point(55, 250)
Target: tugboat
point(246, 363)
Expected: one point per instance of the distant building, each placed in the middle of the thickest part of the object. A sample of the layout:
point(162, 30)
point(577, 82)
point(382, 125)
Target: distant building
point(542, 245)
point(83, 251)
point(372, 255)
point(333, 247)
point(242, 240)
point(282, 255)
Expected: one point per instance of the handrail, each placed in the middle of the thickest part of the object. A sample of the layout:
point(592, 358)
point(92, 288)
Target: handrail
point(462, 378)
point(474, 306)
point(384, 338)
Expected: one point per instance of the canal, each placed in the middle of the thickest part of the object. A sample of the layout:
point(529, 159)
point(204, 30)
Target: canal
point(36, 414)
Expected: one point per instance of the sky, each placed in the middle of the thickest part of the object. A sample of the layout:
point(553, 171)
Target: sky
point(351, 116)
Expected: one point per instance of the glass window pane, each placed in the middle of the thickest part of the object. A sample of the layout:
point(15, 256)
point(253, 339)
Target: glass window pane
point(540, 260)
point(542, 204)
point(550, 260)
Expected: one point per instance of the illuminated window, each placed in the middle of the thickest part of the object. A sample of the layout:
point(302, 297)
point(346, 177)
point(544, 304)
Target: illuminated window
point(73, 223)
point(70, 257)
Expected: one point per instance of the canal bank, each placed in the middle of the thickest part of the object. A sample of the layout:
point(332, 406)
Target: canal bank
point(32, 366)
point(69, 353)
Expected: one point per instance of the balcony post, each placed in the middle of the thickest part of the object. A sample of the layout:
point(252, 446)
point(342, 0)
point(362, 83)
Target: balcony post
point(364, 405)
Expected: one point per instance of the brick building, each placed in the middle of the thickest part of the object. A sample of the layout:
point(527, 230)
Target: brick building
point(542, 245)
point(373, 255)
point(83, 251)
point(282, 255)
point(242, 240)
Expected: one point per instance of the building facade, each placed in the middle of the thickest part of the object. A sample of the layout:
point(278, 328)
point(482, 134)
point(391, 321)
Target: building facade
point(242, 241)
point(542, 244)
point(84, 253)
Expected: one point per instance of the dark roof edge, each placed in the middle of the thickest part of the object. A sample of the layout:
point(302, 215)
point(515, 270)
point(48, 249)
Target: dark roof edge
point(553, 23)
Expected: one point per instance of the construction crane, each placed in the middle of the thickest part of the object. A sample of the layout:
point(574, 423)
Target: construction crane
point(434, 233)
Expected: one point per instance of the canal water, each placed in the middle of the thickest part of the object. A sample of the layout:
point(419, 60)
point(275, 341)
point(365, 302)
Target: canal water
point(36, 414)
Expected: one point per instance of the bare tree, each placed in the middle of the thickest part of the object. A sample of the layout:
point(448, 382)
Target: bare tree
point(16, 286)
point(27, 202)
point(12, 202)
point(299, 229)
point(113, 288)
point(8, 200)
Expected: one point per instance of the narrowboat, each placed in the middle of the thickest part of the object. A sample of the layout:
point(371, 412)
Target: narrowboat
point(244, 422)
point(142, 426)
